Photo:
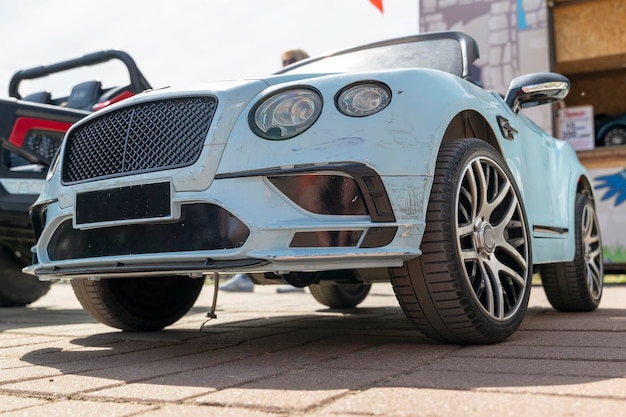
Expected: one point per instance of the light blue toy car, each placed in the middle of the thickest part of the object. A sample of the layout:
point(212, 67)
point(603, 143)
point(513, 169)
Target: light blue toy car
point(384, 162)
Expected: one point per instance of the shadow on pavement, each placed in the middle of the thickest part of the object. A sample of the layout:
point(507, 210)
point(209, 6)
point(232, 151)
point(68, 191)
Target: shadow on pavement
point(334, 350)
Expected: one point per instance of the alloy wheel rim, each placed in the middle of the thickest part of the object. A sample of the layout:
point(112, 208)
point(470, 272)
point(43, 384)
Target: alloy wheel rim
point(592, 248)
point(616, 137)
point(491, 238)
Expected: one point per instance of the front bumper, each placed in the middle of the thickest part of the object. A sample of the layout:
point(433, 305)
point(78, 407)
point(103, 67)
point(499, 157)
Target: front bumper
point(255, 221)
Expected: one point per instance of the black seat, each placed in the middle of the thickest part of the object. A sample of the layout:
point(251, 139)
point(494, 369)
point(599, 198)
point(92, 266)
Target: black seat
point(85, 95)
point(40, 97)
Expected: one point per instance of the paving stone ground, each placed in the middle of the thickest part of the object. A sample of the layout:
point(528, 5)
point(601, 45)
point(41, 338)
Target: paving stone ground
point(270, 354)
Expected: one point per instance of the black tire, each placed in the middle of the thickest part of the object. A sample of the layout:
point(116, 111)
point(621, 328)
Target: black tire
point(577, 285)
point(138, 304)
point(340, 295)
point(472, 282)
point(18, 289)
point(615, 136)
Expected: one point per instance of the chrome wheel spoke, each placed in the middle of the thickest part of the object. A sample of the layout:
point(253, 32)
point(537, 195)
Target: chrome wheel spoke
point(496, 298)
point(477, 182)
point(592, 248)
point(594, 279)
point(466, 230)
point(501, 194)
point(513, 245)
point(511, 273)
point(482, 285)
point(470, 255)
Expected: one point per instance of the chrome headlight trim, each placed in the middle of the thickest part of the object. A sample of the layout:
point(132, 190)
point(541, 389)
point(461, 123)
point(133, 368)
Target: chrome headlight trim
point(363, 98)
point(286, 113)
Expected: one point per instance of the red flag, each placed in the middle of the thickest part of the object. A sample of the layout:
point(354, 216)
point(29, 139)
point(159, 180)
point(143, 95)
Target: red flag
point(378, 4)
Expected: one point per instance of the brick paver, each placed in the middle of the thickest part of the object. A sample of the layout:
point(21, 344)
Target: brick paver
point(279, 355)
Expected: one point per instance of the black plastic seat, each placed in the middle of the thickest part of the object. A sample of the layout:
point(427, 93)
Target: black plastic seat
point(40, 97)
point(85, 95)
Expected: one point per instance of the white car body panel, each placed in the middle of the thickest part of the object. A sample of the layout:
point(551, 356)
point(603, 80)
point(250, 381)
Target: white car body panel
point(400, 144)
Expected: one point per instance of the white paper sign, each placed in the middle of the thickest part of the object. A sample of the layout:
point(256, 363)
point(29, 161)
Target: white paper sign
point(576, 127)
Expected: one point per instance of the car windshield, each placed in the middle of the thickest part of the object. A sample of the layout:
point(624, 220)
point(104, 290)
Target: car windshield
point(441, 54)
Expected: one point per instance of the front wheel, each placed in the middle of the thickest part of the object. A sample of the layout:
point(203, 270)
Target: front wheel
point(472, 282)
point(18, 289)
point(577, 285)
point(138, 304)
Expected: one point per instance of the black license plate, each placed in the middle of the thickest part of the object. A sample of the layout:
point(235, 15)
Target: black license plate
point(144, 201)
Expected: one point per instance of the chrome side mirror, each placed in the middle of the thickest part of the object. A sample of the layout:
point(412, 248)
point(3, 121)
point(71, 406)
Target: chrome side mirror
point(536, 89)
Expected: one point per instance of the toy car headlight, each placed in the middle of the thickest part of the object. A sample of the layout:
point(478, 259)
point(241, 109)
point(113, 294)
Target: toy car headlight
point(363, 99)
point(286, 114)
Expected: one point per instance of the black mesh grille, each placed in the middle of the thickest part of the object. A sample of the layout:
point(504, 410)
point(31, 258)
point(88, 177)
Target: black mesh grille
point(145, 137)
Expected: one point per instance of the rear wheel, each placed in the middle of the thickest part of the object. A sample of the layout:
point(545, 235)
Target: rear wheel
point(340, 295)
point(138, 304)
point(16, 287)
point(472, 282)
point(577, 285)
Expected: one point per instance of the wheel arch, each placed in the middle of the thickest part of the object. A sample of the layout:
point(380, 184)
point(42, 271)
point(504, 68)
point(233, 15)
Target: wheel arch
point(584, 186)
point(471, 124)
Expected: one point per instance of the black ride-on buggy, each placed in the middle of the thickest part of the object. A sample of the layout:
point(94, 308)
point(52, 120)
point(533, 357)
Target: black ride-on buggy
point(31, 130)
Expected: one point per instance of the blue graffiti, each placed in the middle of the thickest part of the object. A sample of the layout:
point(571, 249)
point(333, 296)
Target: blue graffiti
point(616, 184)
point(521, 16)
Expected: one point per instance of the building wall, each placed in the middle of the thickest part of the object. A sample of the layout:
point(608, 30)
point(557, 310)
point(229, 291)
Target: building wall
point(512, 36)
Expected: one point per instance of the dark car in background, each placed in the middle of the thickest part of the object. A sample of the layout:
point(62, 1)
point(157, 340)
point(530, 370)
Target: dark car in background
point(610, 130)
